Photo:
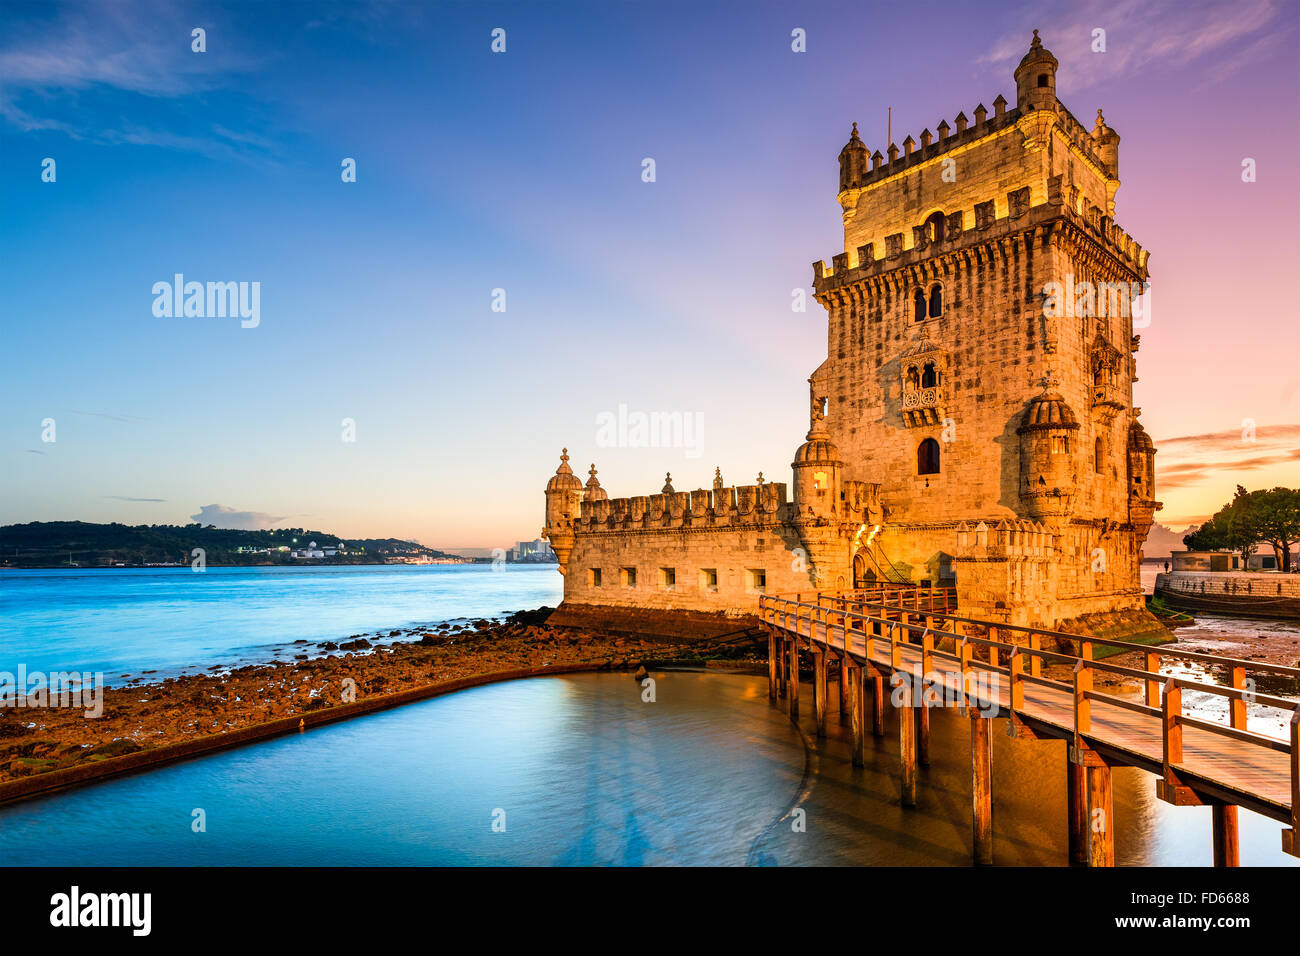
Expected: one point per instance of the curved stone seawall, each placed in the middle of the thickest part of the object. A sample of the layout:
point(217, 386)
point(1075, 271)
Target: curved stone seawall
point(56, 780)
point(1263, 594)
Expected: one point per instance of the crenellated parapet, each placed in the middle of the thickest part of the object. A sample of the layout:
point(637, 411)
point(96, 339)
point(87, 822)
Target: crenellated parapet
point(1064, 218)
point(741, 506)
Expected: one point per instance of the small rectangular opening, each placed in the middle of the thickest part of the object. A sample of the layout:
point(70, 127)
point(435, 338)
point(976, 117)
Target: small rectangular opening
point(756, 580)
point(668, 579)
point(628, 577)
point(593, 577)
point(708, 579)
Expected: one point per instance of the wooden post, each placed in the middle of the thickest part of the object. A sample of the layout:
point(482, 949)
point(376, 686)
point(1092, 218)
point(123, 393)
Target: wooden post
point(794, 679)
point(844, 685)
point(1291, 837)
point(907, 739)
point(780, 666)
point(819, 690)
point(981, 759)
point(923, 710)
point(855, 712)
point(771, 665)
point(1153, 683)
point(1101, 824)
point(1226, 848)
point(1076, 794)
point(877, 702)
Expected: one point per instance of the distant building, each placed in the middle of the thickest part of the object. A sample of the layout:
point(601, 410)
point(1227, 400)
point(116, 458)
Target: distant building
point(538, 550)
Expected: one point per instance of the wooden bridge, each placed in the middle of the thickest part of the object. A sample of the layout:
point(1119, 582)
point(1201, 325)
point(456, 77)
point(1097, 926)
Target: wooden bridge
point(913, 640)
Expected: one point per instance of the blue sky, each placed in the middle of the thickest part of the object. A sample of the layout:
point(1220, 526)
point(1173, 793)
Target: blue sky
point(522, 171)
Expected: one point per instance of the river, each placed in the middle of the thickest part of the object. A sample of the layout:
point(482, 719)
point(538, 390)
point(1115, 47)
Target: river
point(580, 770)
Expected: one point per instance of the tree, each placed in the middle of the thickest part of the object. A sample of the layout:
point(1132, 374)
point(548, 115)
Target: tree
point(1275, 517)
point(1252, 517)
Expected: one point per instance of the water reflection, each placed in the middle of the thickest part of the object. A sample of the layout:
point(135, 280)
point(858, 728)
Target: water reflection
point(587, 773)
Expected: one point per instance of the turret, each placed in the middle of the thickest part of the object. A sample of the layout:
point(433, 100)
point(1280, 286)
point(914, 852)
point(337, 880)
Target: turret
point(853, 161)
point(1036, 78)
point(1047, 435)
point(817, 474)
point(1106, 141)
point(563, 501)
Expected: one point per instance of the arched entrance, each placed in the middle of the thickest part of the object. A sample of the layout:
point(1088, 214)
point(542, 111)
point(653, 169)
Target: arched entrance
point(863, 576)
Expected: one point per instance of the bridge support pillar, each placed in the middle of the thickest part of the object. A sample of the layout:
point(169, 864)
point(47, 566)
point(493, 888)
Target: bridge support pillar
point(907, 721)
point(780, 666)
point(819, 690)
point(856, 713)
point(793, 693)
point(1100, 817)
point(844, 685)
point(877, 702)
point(1226, 848)
point(772, 663)
point(1076, 798)
point(923, 731)
point(981, 758)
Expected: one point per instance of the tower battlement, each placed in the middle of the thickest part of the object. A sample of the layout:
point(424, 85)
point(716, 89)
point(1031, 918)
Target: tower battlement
point(988, 222)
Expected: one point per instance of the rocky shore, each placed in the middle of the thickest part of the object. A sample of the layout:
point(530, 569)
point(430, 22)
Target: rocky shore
point(143, 716)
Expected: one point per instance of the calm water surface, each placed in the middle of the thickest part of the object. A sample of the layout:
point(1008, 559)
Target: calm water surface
point(126, 621)
point(589, 774)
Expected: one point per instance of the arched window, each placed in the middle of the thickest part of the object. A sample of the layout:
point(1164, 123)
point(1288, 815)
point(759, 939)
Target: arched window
point(927, 457)
point(913, 381)
point(934, 227)
point(936, 301)
point(929, 377)
point(1098, 452)
point(918, 305)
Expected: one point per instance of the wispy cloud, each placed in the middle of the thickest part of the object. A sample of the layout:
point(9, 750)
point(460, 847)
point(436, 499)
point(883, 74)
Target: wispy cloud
point(56, 71)
point(1188, 460)
point(1145, 34)
point(129, 498)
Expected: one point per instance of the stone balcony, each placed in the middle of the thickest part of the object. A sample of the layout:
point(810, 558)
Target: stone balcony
point(1108, 401)
point(922, 406)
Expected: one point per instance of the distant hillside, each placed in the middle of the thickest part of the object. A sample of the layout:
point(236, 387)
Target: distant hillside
point(52, 543)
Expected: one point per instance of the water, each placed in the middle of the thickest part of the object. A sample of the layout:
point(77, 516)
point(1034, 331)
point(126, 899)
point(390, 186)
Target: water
point(589, 774)
point(173, 620)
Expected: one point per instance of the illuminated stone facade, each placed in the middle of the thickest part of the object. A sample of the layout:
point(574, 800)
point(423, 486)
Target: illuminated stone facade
point(973, 423)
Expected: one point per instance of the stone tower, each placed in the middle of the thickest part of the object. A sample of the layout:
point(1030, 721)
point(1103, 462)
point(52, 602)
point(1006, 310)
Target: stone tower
point(981, 354)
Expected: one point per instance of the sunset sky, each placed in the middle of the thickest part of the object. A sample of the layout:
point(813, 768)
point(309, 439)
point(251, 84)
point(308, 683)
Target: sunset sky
point(522, 171)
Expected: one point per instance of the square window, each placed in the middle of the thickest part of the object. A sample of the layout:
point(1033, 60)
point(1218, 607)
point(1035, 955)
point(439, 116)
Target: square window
point(709, 579)
point(593, 577)
point(756, 580)
point(668, 579)
point(628, 577)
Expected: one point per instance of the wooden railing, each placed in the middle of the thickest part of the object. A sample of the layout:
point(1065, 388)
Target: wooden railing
point(921, 618)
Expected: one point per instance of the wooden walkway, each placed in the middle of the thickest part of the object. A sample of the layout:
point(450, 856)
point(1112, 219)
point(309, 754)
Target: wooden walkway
point(908, 645)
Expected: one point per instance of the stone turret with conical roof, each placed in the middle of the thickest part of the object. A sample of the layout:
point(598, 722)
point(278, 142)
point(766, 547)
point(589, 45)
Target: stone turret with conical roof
point(563, 503)
point(853, 161)
point(1036, 78)
point(1048, 434)
point(817, 468)
point(1142, 505)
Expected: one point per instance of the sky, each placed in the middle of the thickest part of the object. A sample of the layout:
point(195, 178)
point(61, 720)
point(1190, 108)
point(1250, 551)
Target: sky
point(384, 391)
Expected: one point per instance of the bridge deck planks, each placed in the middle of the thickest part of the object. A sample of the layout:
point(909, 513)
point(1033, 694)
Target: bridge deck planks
point(1253, 776)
